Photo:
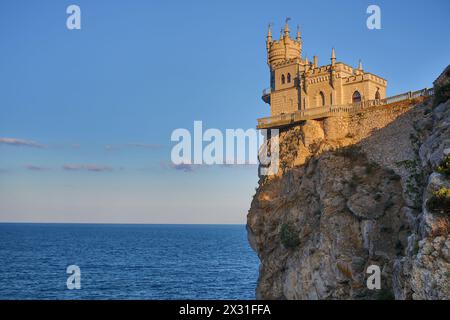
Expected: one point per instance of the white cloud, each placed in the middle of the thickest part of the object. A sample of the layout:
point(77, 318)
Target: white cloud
point(20, 142)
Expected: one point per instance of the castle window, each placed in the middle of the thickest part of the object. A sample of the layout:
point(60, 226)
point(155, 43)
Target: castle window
point(356, 97)
point(288, 77)
point(283, 80)
point(377, 95)
point(321, 99)
point(272, 80)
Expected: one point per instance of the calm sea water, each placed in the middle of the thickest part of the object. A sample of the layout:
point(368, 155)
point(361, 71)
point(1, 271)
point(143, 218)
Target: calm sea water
point(127, 261)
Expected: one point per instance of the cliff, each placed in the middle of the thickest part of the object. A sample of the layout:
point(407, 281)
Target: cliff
point(365, 189)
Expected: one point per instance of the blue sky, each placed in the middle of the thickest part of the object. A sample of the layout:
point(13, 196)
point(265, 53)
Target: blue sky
point(86, 115)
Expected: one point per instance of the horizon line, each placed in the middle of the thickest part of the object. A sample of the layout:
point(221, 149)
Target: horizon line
point(123, 223)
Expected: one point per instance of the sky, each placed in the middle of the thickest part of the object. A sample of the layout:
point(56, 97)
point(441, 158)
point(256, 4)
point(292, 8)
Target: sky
point(86, 116)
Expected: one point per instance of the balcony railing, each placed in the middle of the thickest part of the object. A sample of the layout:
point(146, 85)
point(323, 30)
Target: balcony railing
point(327, 111)
point(266, 92)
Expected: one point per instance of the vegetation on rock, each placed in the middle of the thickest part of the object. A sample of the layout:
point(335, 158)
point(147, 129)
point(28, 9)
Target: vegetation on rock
point(440, 201)
point(289, 236)
point(444, 166)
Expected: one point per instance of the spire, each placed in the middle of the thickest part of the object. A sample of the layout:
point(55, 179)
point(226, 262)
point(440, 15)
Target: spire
point(316, 64)
point(286, 27)
point(299, 37)
point(360, 68)
point(269, 31)
point(333, 57)
point(269, 38)
point(306, 60)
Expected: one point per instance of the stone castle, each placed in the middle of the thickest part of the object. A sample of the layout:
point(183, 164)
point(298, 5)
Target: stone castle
point(356, 173)
point(297, 84)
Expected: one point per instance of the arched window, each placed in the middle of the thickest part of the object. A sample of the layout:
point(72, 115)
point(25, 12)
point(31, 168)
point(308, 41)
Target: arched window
point(377, 95)
point(272, 80)
point(321, 99)
point(356, 97)
point(288, 77)
point(282, 79)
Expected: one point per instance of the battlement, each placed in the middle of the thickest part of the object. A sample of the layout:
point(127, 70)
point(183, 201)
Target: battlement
point(285, 49)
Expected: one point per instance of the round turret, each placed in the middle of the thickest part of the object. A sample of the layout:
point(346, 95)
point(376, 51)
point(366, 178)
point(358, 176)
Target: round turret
point(284, 49)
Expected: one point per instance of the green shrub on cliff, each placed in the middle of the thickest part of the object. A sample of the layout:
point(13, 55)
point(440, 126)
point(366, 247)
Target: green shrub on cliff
point(444, 166)
point(440, 201)
point(289, 236)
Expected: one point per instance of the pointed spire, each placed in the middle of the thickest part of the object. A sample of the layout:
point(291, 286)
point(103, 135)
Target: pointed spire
point(299, 37)
point(269, 39)
point(360, 68)
point(333, 57)
point(269, 33)
point(286, 27)
point(306, 60)
point(316, 64)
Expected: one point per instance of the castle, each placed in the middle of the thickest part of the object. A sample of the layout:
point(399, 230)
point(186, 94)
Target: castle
point(297, 84)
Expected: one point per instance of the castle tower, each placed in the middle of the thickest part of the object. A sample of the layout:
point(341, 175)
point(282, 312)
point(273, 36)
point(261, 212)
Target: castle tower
point(285, 62)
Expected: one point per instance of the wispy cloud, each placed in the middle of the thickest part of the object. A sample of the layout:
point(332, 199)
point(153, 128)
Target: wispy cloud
point(87, 167)
point(185, 167)
point(33, 167)
point(20, 142)
point(133, 145)
point(239, 165)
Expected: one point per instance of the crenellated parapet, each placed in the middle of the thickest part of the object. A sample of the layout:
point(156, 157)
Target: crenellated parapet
point(285, 49)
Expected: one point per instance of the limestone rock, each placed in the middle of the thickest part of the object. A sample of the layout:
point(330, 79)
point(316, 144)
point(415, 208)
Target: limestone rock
point(355, 208)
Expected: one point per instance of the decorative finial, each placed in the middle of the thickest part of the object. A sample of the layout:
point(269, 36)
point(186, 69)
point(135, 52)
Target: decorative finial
point(333, 57)
point(286, 26)
point(299, 37)
point(269, 31)
point(360, 68)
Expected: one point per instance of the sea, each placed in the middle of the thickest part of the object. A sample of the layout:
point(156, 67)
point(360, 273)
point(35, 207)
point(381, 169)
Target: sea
point(123, 261)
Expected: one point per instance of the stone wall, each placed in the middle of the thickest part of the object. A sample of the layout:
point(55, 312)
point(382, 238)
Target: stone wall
point(359, 125)
point(284, 101)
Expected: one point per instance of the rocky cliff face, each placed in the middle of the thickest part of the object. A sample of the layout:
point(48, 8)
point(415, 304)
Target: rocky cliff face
point(343, 202)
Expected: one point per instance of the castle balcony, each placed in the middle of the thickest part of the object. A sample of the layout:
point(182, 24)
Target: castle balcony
point(287, 119)
point(266, 95)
